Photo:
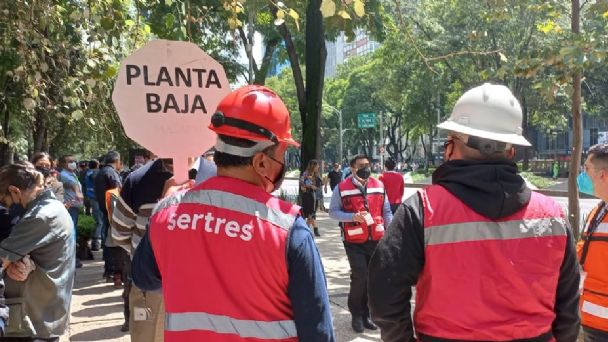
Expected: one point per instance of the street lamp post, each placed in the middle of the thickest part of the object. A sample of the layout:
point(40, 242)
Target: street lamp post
point(336, 110)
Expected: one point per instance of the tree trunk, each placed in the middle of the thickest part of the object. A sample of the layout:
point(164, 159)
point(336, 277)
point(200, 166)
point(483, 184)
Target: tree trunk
point(4, 147)
point(577, 131)
point(525, 132)
point(315, 75)
point(262, 73)
point(39, 131)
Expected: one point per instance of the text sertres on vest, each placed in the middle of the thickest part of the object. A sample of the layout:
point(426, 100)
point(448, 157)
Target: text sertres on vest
point(221, 251)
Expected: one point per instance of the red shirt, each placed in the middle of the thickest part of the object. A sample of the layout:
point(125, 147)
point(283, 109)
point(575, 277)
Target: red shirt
point(393, 185)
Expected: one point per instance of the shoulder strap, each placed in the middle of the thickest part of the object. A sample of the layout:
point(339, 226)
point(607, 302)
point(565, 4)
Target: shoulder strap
point(599, 216)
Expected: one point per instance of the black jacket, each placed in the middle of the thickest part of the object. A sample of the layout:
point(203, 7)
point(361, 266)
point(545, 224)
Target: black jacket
point(490, 188)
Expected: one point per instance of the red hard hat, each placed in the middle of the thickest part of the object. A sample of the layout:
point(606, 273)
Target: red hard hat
point(254, 113)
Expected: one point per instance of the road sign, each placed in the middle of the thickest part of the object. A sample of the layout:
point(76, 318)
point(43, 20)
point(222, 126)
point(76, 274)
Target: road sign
point(366, 120)
point(165, 95)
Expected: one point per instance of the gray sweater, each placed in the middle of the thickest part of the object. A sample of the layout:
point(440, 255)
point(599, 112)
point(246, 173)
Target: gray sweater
point(42, 302)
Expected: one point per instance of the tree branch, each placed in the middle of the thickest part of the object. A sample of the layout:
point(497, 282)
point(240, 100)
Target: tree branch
point(250, 51)
point(461, 53)
point(295, 68)
point(260, 75)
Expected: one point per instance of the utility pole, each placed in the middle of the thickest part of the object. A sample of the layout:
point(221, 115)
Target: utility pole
point(340, 116)
point(381, 141)
point(249, 45)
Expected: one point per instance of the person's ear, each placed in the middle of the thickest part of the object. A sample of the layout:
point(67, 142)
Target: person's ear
point(511, 153)
point(260, 163)
point(13, 189)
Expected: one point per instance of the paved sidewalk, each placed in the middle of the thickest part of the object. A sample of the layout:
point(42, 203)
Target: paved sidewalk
point(97, 305)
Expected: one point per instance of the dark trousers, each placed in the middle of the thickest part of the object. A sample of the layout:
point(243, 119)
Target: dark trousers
point(594, 335)
point(359, 255)
point(127, 282)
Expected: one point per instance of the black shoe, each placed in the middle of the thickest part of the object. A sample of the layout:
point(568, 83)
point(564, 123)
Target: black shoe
point(95, 246)
point(125, 327)
point(317, 232)
point(78, 264)
point(368, 324)
point(357, 324)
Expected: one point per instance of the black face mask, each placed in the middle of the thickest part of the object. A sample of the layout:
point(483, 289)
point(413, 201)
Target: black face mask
point(364, 173)
point(46, 172)
point(280, 177)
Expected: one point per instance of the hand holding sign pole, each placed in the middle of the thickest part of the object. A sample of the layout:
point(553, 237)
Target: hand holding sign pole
point(165, 95)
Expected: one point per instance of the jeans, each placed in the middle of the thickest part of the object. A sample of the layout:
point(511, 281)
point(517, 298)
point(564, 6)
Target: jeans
point(359, 255)
point(74, 212)
point(98, 216)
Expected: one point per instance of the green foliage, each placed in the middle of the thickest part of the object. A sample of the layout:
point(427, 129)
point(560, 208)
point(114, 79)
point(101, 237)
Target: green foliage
point(538, 181)
point(86, 226)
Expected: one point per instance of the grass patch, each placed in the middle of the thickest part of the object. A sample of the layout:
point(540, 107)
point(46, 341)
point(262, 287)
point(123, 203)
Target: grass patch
point(293, 174)
point(538, 181)
point(417, 177)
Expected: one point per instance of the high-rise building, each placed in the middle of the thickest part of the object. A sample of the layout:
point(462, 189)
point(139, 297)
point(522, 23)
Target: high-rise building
point(340, 50)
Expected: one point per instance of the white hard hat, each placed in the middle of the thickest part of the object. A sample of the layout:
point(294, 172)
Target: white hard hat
point(488, 111)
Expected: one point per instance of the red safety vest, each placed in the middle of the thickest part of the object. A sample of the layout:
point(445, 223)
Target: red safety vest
point(394, 185)
point(488, 280)
point(221, 250)
point(353, 201)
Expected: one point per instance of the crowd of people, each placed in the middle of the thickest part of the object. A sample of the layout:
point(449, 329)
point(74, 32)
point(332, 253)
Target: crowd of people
point(490, 259)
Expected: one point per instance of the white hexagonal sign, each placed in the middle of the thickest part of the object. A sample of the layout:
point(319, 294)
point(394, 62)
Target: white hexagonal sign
point(165, 95)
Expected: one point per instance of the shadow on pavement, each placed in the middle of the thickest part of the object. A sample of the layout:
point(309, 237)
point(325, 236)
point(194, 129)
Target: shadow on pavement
point(100, 334)
point(99, 310)
point(101, 301)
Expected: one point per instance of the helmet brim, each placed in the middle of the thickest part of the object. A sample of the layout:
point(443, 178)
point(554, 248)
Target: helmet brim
point(508, 138)
point(290, 141)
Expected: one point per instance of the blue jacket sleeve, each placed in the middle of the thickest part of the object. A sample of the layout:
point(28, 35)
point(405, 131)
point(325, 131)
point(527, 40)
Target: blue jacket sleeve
point(335, 208)
point(307, 288)
point(146, 274)
point(386, 212)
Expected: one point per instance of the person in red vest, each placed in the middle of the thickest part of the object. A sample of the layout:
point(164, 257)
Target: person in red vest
point(491, 260)
point(592, 249)
point(234, 262)
point(360, 204)
point(393, 183)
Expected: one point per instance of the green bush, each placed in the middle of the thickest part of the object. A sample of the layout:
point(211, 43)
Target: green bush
point(538, 181)
point(418, 176)
point(86, 226)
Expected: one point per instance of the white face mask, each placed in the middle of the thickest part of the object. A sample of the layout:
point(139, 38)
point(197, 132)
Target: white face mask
point(72, 166)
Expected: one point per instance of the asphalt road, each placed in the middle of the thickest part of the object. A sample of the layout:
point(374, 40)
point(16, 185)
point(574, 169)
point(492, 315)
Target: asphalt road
point(290, 187)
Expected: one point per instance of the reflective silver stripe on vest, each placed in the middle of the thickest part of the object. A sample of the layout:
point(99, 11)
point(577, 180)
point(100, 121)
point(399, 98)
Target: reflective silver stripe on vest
point(274, 330)
point(478, 231)
point(233, 202)
point(357, 191)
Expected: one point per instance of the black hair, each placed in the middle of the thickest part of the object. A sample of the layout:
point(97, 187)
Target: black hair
point(599, 152)
point(390, 164)
point(21, 174)
point(192, 173)
point(63, 159)
point(112, 157)
point(353, 161)
point(222, 159)
point(40, 155)
point(93, 164)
